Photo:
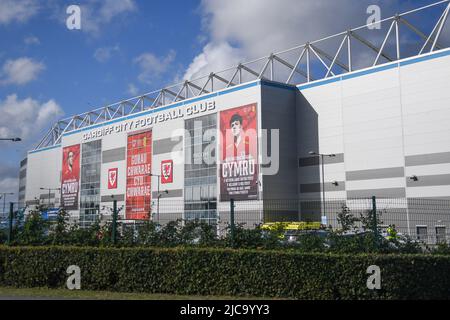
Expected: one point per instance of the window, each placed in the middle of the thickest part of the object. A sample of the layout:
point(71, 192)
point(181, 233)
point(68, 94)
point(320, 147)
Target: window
point(200, 170)
point(422, 233)
point(440, 234)
point(90, 182)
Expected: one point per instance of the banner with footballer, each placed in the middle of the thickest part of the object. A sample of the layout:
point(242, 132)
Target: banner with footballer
point(70, 177)
point(138, 190)
point(239, 154)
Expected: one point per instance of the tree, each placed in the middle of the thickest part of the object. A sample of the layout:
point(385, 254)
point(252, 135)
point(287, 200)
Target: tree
point(347, 220)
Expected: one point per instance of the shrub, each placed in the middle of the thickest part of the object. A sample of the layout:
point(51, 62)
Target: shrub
point(197, 271)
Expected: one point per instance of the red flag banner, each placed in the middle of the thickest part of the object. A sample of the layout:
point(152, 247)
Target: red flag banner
point(70, 177)
point(139, 164)
point(239, 154)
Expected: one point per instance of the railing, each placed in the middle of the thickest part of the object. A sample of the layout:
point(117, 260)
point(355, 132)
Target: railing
point(427, 220)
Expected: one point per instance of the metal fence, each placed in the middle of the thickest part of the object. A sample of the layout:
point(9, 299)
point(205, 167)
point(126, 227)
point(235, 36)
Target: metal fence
point(427, 220)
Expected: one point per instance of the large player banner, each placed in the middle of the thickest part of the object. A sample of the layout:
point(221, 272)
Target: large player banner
point(70, 177)
point(139, 164)
point(239, 154)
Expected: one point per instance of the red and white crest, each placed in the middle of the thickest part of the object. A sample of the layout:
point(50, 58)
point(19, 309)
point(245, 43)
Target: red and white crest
point(112, 178)
point(166, 171)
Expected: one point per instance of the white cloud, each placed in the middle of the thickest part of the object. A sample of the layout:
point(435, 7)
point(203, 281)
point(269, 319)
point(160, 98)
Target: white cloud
point(251, 29)
point(20, 71)
point(17, 10)
point(102, 55)
point(26, 118)
point(152, 66)
point(9, 184)
point(132, 89)
point(32, 40)
point(96, 14)
point(215, 57)
point(112, 8)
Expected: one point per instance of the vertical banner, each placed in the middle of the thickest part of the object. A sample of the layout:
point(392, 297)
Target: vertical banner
point(166, 171)
point(139, 159)
point(112, 178)
point(239, 154)
point(70, 177)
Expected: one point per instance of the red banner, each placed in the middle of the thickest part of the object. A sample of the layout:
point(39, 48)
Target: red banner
point(70, 177)
point(139, 160)
point(166, 171)
point(239, 156)
point(112, 178)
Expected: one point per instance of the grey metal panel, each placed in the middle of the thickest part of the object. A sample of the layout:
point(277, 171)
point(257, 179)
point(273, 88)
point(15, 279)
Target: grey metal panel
point(45, 196)
point(113, 155)
point(176, 193)
point(428, 198)
point(315, 161)
point(23, 174)
point(387, 193)
point(23, 162)
point(375, 174)
point(316, 187)
point(308, 161)
point(167, 145)
point(431, 180)
point(426, 159)
point(32, 202)
point(118, 197)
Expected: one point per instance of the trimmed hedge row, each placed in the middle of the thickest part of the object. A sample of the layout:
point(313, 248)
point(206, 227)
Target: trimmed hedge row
point(194, 271)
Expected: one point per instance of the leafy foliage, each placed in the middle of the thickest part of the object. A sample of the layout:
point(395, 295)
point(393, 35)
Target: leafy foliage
point(36, 231)
point(208, 271)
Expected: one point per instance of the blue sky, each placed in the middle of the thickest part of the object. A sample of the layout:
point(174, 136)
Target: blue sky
point(128, 47)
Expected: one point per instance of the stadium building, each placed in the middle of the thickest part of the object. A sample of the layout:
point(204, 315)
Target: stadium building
point(369, 119)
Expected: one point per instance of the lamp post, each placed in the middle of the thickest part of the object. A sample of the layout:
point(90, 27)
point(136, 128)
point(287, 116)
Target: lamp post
point(157, 203)
point(11, 139)
point(49, 190)
point(322, 156)
point(4, 200)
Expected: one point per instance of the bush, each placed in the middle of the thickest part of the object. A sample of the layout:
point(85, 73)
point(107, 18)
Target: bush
point(196, 271)
point(35, 230)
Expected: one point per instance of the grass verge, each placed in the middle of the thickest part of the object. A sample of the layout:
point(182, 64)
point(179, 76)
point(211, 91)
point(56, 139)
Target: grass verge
point(46, 293)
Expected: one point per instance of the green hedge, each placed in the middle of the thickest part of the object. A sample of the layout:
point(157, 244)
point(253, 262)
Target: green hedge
point(228, 272)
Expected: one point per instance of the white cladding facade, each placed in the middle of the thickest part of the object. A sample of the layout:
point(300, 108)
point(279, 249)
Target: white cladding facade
point(384, 124)
point(167, 126)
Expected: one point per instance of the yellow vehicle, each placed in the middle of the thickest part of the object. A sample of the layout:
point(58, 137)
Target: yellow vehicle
point(285, 226)
point(287, 229)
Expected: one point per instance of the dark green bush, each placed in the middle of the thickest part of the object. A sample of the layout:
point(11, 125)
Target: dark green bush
point(196, 271)
point(37, 232)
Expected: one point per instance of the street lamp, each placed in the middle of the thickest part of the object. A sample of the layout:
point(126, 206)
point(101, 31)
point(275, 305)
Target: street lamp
point(11, 139)
point(159, 194)
point(322, 156)
point(4, 194)
point(49, 190)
